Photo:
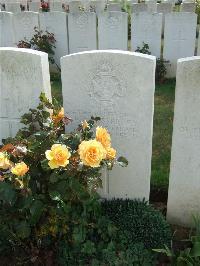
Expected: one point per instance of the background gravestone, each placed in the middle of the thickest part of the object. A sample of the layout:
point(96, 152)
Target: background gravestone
point(180, 38)
point(56, 23)
point(34, 6)
point(117, 87)
point(184, 183)
point(139, 7)
point(113, 30)
point(24, 24)
point(13, 7)
point(82, 31)
point(147, 28)
point(6, 29)
point(188, 7)
point(24, 73)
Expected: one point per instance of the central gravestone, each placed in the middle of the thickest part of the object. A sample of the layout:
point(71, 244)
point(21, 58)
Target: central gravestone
point(24, 73)
point(117, 87)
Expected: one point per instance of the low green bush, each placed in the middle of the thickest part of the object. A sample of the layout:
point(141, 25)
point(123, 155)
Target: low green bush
point(138, 222)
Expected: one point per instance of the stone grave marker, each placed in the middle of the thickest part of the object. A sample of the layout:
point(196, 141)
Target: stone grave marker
point(6, 29)
point(139, 7)
point(184, 184)
point(188, 7)
point(56, 23)
point(24, 24)
point(180, 38)
point(147, 28)
point(82, 31)
point(113, 30)
point(116, 86)
point(24, 73)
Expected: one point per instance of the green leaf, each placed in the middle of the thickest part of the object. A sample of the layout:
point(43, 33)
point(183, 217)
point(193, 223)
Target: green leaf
point(88, 248)
point(36, 211)
point(55, 195)
point(7, 193)
point(54, 177)
point(122, 161)
point(23, 229)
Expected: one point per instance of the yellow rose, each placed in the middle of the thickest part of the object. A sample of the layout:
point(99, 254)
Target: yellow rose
point(103, 136)
point(91, 153)
point(57, 118)
point(85, 124)
point(4, 161)
point(111, 154)
point(58, 156)
point(20, 169)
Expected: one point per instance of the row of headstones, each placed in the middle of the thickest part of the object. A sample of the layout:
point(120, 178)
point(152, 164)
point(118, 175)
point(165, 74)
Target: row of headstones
point(77, 32)
point(96, 6)
point(119, 87)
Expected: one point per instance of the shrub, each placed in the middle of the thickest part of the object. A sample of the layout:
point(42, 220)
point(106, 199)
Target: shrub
point(48, 198)
point(138, 222)
point(43, 41)
point(161, 69)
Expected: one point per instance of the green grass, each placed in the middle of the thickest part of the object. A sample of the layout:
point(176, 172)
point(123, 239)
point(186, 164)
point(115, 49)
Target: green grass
point(162, 133)
point(163, 121)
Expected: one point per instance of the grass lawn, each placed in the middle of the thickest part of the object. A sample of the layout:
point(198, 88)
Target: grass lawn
point(163, 122)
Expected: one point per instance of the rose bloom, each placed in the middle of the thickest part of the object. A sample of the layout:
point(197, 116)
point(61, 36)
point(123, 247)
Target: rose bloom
point(91, 153)
point(58, 156)
point(57, 118)
point(103, 136)
point(4, 161)
point(20, 169)
point(111, 153)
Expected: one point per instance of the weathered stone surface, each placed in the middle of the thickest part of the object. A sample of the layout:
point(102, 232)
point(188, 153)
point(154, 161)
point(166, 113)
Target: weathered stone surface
point(180, 38)
point(139, 7)
point(113, 30)
point(184, 185)
point(34, 6)
point(13, 7)
point(24, 73)
point(74, 6)
point(7, 38)
point(147, 28)
point(56, 5)
point(114, 7)
point(82, 32)
point(56, 23)
point(117, 87)
point(24, 24)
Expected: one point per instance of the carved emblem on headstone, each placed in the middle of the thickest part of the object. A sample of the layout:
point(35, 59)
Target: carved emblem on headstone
point(107, 85)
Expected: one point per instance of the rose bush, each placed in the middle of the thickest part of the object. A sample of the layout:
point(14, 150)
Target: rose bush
point(49, 206)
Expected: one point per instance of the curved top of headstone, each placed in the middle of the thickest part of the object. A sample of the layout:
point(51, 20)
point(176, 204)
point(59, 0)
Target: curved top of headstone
point(23, 50)
point(187, 59)
point(138, 55)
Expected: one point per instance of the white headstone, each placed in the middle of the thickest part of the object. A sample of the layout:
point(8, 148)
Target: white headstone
point(180, 38)
point(113, 30)
point(114, 7)
point(184, 183)
point(198, 47)
point(6, 29)
point(188, 7)
point(24, 73)
point(164, 7)
point(34, 6)
point(56, 5)
point(116, 86)
point(98, 6)
point(82, 32)
point(147, 28)
point(140, 7)
point(24, 24)
point(13, 7)
point(74, 6)
point(56, 23)
point(151, 6)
